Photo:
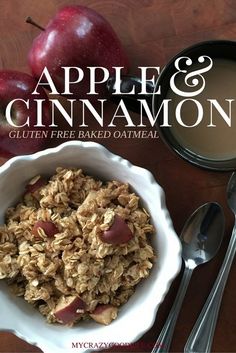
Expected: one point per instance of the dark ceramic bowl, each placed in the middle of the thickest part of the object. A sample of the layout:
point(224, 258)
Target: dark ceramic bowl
point(223, 49)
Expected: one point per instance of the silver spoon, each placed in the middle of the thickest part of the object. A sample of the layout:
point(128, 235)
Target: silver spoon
point(201, 337)
point(201, 238)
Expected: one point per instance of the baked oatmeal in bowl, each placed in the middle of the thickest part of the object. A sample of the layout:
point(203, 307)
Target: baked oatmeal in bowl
point(76, 247)
point(87, 248)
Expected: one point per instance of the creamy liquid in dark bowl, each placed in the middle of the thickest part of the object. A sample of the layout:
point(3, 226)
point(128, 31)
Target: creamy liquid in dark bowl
point(215, 143)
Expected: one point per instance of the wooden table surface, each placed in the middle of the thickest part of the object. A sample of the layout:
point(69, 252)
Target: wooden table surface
point(152, 31)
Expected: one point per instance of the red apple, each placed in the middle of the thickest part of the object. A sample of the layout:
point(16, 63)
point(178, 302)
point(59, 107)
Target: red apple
point(48, 227)
point(18, 85)
point(69, 309)
point(104, 314)
point(77, 37)
point(118, 233)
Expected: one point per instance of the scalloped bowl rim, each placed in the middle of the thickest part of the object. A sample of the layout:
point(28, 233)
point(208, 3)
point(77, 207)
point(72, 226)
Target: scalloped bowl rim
point(147, 324)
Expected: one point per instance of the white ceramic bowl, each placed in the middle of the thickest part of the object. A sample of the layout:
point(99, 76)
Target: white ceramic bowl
point(136, 316)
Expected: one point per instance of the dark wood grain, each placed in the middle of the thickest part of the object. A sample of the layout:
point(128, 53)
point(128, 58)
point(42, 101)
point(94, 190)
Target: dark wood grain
point(152, 31)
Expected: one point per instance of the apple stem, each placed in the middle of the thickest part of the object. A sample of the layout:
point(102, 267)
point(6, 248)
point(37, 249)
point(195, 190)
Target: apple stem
point(29, 20)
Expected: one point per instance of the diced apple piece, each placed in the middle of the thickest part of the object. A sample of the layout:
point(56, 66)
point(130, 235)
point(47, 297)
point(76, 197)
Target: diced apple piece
point(48, 227)
point(104, 314)
point(90, 197)
point(118, 233)
point(35, 184)
point(69, 309)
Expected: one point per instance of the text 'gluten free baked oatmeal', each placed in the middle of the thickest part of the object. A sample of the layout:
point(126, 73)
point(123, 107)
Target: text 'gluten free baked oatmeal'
point(76, 247)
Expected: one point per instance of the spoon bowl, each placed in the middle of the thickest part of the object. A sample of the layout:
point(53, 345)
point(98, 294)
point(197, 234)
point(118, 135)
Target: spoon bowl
point(198, 246)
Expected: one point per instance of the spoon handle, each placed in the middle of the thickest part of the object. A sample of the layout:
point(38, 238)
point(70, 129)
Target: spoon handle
point(164, 340)
point(201, 337)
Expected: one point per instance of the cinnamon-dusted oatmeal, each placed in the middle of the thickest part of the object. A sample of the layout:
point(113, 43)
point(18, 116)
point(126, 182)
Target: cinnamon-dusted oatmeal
point(76, 247)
